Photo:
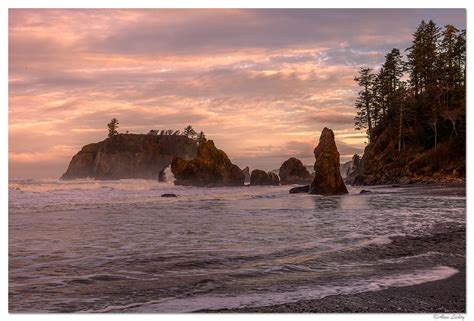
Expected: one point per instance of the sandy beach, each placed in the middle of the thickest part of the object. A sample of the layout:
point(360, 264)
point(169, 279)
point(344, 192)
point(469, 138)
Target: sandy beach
point(443, 296)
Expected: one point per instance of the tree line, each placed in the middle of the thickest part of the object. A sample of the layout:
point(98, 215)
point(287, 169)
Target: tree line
point(188, 131)
point(420, 97)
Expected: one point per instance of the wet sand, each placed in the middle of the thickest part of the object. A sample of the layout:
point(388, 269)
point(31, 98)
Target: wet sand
point(442, 296)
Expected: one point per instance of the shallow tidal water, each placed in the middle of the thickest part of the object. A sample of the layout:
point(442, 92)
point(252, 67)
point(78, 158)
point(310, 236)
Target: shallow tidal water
point(117, 246)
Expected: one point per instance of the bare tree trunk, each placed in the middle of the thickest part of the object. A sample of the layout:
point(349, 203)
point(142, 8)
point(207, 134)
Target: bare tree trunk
point(400, 129)
point(369, 116)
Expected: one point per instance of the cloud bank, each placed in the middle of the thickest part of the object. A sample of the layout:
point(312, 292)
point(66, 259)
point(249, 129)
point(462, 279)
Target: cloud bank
point(261, 83)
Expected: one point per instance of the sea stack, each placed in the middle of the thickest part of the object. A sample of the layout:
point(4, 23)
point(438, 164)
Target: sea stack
point(130, 156)
point(211, 167)
point(327, 177)
point(292, 171)
point(259, 177)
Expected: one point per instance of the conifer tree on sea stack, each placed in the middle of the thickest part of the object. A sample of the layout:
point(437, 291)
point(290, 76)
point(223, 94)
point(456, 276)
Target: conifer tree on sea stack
point(113, 125)
point(189, 132)
point(201, 138)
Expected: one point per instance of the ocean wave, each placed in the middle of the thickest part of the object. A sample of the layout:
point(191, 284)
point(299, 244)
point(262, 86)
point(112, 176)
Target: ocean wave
point(266, 298)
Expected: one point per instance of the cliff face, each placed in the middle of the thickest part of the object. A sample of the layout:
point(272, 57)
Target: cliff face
point(129, 156)
point(211, 167)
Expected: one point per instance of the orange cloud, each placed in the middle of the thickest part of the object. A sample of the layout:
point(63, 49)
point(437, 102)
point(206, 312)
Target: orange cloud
point(261, 83)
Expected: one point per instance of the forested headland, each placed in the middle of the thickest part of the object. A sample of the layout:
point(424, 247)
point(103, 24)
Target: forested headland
point(413, 108)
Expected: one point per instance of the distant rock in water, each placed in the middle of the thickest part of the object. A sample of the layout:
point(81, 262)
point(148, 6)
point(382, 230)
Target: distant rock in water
point(259, 177)
point(168, 195)
point(299, 189)
point(246, 172)
point(364, 191)
point(274, 178)
point(211, 167)
point(130, 156)
point(292, 171)
point(345, 169)
point(327, 177)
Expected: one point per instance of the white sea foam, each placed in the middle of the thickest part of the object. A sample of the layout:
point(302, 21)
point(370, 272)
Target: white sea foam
point(303, 293)
point(169, 176)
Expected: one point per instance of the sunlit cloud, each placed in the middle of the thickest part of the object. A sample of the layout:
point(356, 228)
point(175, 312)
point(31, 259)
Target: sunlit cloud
point(261, 83)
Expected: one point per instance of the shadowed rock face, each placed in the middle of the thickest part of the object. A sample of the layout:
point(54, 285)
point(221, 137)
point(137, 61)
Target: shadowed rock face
point(327, 177)
point(259, 177)
point(129, 156)
point(292, 171)
point(274, 178)
point(211, 167)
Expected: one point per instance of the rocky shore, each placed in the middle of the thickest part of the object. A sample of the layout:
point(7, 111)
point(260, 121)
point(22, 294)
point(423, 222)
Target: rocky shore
point(442, 296)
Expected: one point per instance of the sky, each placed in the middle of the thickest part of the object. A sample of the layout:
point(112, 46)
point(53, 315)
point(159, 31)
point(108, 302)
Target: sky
point(261, 83)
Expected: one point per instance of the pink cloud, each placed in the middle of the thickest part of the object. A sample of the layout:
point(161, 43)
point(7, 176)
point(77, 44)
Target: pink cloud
point(261, 83)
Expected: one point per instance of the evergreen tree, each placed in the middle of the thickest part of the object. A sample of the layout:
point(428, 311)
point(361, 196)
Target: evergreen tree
point(364, 101)
point(425, 109)
point(355, 163)
point(394, 68)
point(415, 59)
point(112, 126)
point(201, 138)
point(423, 67)
point(447, 67)
point(422, 58)
point(189, 131)
point(460, 59)
point(380, 89)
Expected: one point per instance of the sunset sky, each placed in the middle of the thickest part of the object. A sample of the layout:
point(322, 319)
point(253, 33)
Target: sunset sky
point(261, 83)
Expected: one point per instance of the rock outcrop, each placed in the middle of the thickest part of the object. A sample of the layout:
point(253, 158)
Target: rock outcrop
point(346, 169)
point(383, 163)
point(246, 172)
point(327, 179)
point(274, 178)
point(299, 189)
point(211, 167)
point(129, 156)
point(259, 177)
point(292, 171)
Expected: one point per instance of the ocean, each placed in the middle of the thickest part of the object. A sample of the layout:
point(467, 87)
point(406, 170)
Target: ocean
point(117, 246)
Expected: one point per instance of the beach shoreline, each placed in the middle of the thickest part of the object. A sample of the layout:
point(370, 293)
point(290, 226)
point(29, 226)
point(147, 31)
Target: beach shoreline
point(442, 296)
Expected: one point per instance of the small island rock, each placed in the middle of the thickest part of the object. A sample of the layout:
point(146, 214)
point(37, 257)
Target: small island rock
point(211, 167)
point(129, 156)
point(259, 177)
point(274, 178)
point(292, 171)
